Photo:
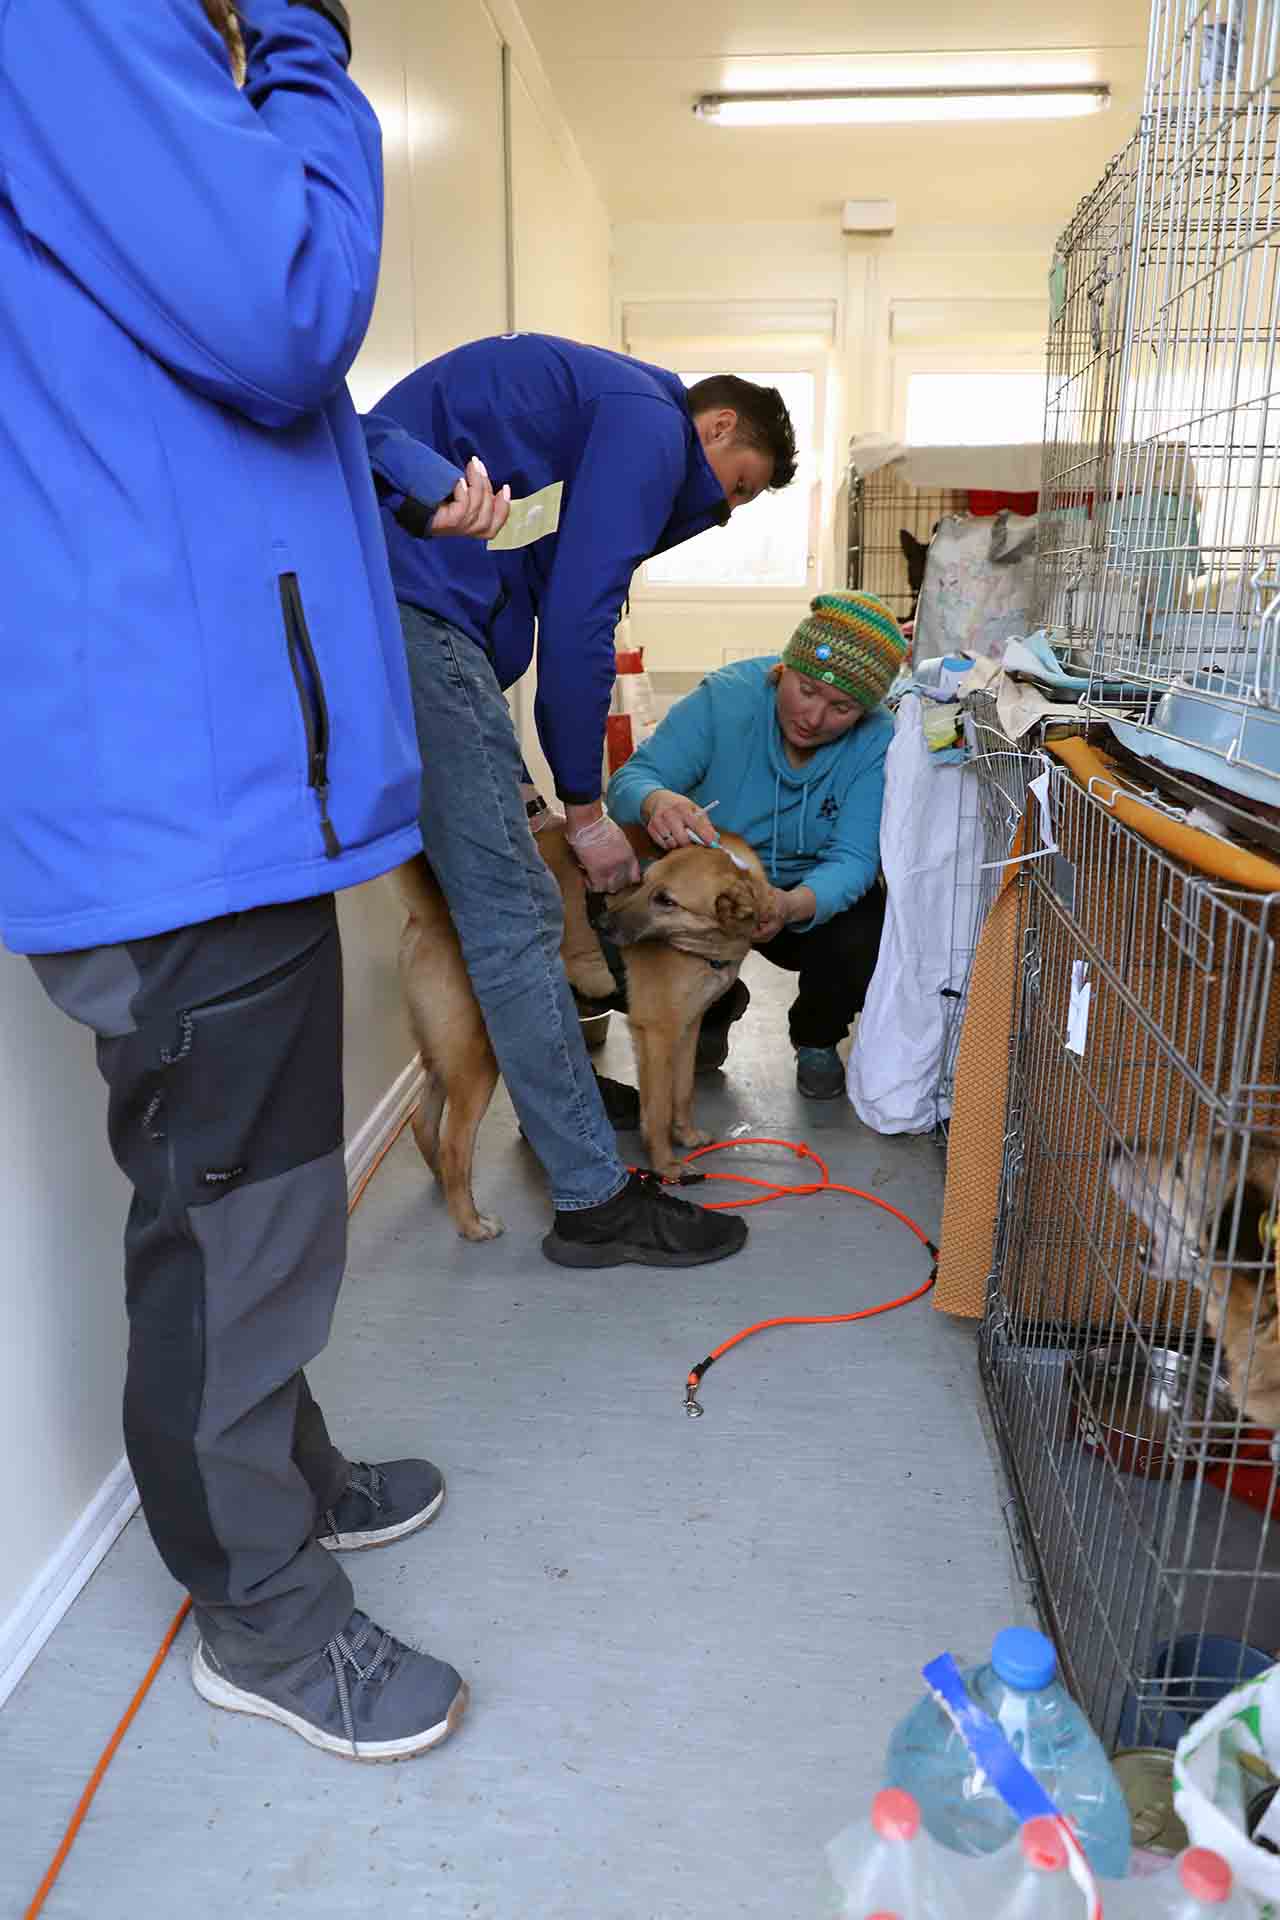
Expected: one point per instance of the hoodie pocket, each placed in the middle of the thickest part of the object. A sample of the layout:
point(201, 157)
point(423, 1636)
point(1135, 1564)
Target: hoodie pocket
point(311, 701)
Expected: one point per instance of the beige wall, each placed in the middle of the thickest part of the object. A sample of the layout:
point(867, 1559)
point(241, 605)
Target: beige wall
point(971, 296)
point(434, 73)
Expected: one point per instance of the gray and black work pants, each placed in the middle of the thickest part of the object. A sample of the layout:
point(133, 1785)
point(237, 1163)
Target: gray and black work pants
point(221, 1046)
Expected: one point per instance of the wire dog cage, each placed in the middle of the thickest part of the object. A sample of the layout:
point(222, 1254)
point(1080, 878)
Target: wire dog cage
point(1185, 636)
point(1129, 1349)
point(882, 506)
point(1087, 288)
point(993, 793)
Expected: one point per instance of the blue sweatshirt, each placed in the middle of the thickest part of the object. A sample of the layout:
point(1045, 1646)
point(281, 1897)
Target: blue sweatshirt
point(206, 699)
point(618, 434)
point(816, 826)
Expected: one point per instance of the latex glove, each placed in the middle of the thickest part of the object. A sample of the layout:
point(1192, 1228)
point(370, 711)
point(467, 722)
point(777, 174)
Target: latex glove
point(474, 511)
point(604, 853)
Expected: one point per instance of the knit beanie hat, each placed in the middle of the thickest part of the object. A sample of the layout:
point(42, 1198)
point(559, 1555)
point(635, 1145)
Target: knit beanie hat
point(850, 641)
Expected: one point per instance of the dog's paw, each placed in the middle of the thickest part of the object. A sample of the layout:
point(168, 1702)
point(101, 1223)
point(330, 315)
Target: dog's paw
point(484, 1227)
point(691, 1136)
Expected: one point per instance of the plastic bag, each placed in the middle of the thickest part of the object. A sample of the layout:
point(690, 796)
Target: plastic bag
point(925, 852)
point(1210, 1785)
point(978, 585)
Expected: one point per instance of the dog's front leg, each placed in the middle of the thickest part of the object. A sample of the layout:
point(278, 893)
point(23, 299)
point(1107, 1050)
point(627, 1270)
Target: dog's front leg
point(654, 1070)
point(683, 1130)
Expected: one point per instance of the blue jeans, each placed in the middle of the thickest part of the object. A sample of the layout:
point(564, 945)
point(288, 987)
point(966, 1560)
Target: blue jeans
point(506, 907)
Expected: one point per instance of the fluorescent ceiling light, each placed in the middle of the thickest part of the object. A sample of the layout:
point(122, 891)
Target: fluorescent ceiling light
point(880, 106)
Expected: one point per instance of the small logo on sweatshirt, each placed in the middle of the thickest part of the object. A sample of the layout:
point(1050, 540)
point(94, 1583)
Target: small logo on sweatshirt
point(829, 808)
point(219, 1176)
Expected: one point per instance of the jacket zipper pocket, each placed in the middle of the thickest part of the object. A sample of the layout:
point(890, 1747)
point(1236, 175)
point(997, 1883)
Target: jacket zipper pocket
point(315, 710)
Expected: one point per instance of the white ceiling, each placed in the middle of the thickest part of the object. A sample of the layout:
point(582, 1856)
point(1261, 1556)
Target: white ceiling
point(626, 76)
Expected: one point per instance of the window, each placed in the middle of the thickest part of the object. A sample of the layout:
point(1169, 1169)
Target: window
point(975, 409)
point(766, 544)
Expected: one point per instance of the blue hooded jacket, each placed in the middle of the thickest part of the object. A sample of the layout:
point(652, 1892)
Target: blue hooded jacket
point(816, 826)
point(618, 434)
point(206, 700)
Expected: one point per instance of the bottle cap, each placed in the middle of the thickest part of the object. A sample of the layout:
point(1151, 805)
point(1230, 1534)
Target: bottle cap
point(895, 1815)
point(1043, 1846)
point(1024, 1659)
point(1206, 1875)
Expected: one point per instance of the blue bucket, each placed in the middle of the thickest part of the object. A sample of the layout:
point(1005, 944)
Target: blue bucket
point(1198, 1671)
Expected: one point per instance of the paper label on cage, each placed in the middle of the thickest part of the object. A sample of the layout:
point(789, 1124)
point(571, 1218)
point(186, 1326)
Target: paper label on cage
point(1040, 788)
point(530, 519)
point(1078, 1010)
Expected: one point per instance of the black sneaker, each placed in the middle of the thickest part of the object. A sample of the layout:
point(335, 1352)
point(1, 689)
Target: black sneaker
point(644, 1224)
point(713, 1041)
point(382, 1503)
point(364, 1696)
point(621, 1103)
point(819, 1073)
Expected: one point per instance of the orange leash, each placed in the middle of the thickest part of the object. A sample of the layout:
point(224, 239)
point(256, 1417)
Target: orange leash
point(776, 1190)
point(108, 1753)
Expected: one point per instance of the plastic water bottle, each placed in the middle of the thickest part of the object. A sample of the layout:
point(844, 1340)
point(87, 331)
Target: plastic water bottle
point(1039, 1884)
point(885, 1865)
point(1018, 1689)
point(1199, 1885)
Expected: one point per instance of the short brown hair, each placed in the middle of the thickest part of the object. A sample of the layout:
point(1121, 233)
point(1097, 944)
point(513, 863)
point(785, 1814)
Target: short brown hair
point(763, 420)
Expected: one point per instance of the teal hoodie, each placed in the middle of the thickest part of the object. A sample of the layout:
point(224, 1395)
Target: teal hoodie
point(817, 825)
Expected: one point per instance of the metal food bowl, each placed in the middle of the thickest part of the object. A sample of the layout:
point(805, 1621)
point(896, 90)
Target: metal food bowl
point(1151, 1413)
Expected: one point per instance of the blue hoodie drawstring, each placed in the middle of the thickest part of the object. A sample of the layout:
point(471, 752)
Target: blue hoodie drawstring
point(773, 847)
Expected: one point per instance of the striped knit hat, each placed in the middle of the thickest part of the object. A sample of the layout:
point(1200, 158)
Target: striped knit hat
point(850, 641)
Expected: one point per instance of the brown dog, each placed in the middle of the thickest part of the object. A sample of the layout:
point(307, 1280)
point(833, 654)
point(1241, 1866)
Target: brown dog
point(684, 932)
point(1186, 1200)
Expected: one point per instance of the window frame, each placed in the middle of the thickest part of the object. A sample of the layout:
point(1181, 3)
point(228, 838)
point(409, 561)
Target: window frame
point(754, 366)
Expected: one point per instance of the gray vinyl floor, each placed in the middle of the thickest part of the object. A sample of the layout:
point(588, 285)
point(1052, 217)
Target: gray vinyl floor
point(687, 1640)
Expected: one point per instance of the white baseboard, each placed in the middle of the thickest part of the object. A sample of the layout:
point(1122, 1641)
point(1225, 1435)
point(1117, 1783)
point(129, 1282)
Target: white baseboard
point(26, 1629)
point(65, 1572)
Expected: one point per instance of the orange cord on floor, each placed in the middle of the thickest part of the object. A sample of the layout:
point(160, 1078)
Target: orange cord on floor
point(109, 1751)
point(773, 1190)
point(776, 1190)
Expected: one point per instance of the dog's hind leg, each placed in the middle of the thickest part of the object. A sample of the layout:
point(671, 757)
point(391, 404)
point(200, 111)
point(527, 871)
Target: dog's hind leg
point(426, 1121)
point(468, 1102)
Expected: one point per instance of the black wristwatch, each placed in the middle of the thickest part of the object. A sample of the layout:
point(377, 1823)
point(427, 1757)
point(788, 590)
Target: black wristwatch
point(332, 10)
point(532, 808)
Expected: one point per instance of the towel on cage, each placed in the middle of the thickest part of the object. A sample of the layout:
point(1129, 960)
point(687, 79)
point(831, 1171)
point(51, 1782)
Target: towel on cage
point(1217, 859)
point(929, 856)
point(975, 1148)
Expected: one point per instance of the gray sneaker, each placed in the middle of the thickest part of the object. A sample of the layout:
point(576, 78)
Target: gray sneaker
point(365, 1695)
point(380, 1504)
point(819, 1073)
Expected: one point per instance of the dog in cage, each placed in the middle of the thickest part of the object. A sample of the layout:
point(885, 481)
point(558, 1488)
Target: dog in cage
point(1209, 1209)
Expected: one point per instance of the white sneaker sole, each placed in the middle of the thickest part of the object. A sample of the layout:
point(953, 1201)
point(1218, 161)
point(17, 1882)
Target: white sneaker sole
point(379, 1536)
point(221, 1692)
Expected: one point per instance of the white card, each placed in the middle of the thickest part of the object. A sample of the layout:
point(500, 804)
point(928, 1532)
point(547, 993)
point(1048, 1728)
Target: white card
point(530, 519)
point(1040, 788)
point(1078, 1009)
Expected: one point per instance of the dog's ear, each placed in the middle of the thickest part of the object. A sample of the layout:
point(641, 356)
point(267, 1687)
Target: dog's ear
point(736, 906)
point(916, 554)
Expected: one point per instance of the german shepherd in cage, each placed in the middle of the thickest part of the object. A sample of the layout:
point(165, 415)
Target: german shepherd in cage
point(1186, 1200)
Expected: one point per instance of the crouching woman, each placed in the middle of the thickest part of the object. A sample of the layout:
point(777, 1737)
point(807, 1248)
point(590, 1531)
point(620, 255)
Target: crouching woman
point(791, 753)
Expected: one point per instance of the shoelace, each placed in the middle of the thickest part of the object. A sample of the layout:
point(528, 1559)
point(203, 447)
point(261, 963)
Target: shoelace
point(370, 1486)
point(343, 1653)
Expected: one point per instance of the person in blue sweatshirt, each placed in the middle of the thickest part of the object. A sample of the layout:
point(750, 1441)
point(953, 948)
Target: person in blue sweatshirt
point(640, 464)
point(206, 730)
point(791, 750)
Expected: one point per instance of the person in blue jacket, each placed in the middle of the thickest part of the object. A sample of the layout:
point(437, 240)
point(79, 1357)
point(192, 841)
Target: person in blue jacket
point(207, 729)
point(640, 464)
point(791, 752)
